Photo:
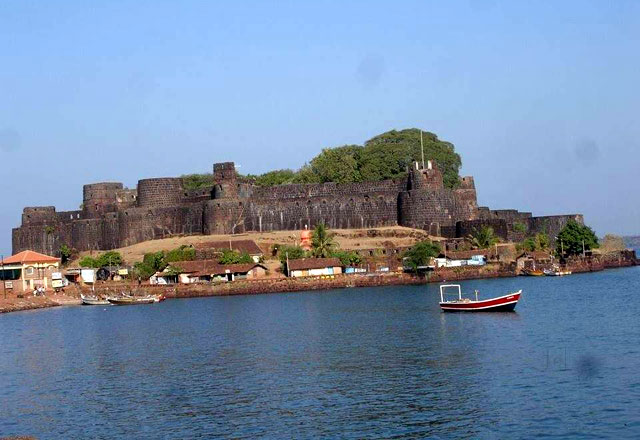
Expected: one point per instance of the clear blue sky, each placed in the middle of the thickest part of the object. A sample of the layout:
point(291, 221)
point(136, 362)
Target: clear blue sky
point(541, 99)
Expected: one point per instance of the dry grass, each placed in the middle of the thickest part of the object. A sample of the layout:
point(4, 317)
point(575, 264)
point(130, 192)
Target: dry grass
point(346, 239)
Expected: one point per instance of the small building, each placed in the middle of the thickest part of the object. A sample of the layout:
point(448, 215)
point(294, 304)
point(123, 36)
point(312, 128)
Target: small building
point(211, 249)
point(309, 267)
point(533, 260)
point(28, 270)
point(210, 270)
point(461, 258)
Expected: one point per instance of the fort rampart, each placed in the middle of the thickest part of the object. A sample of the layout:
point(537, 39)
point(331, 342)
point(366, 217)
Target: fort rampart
point(113, 216)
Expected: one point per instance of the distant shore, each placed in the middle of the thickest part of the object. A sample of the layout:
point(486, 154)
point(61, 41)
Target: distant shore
point(283, 285)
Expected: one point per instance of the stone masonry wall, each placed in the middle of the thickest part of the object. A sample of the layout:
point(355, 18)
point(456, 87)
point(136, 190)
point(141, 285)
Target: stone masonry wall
point(113, 216)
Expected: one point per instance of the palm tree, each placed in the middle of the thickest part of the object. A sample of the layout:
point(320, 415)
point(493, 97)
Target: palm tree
point(483, 238)
point(322, 242)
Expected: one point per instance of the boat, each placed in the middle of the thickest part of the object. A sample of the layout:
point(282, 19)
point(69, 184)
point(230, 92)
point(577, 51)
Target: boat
point(128, 299)
point(556, 272)
point(94, 301)
point(131, 300)
point(533, 273)
point(505, 303)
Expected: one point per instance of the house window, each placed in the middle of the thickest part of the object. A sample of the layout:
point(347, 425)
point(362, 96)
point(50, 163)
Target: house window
point(29, 271)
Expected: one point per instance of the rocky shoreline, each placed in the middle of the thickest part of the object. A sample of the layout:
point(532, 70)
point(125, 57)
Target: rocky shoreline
point(283, 285)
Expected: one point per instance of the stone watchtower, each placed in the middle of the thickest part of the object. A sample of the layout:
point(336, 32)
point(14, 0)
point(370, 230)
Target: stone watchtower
point(225, 180)
point(428, 178)
point(225, 213)
point(99, 198)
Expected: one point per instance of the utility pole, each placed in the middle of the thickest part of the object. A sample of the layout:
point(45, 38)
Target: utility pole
point(583, 253)
point(4, 283)
point(422, 148)
point(288, 271)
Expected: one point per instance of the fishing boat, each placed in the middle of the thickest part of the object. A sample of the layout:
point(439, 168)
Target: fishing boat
point(533, 273)
point(555, 272)
point(126, 300)
point(505, 303)
point(94, 301)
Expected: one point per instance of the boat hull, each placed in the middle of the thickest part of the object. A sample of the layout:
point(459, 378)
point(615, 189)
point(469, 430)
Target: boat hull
point(130, 301)
point(94, 301)
point(505, 303)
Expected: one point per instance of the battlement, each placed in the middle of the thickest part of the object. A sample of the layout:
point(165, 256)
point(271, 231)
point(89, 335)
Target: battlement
point(224, 171)
point(38, 215)
point(467, 182)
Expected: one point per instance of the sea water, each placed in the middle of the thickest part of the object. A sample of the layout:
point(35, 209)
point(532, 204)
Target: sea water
point(349, 363)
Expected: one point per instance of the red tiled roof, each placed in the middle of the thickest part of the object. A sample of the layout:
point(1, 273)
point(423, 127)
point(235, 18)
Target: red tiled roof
point(248, 246)
point(211, 267)
point(314, 263)
point(30, 257)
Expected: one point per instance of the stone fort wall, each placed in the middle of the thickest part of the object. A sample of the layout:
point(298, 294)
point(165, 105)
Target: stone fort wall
point(112, 216)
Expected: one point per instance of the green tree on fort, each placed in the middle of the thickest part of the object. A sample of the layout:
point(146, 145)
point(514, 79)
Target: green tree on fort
point(420, 254)
point(306, 175)
point(277, 177)
point(196, 181)
point(322, 241)
point(483, 237)
point(573, 237)
point(338, 164)
point(387, 155)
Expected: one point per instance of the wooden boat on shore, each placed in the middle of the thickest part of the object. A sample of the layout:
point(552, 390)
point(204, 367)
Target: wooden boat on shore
point(533, 273)
point(94, 301)
point(505, 303)
point(556, 272)
point(128, 299)
point(131, 300)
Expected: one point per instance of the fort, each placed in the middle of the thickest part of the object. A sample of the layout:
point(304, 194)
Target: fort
point(113, 216)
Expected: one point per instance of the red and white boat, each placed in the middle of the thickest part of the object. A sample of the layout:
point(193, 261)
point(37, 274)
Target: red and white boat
point(506, 303)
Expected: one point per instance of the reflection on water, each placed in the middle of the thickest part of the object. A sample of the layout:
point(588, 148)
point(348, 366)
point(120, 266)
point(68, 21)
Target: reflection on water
point(350, 363)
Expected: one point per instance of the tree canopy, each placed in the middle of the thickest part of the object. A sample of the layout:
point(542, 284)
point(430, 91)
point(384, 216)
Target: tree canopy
point(385, 156)
point(289, 252)
point(195, 181)
point(109, 258)
point(420, 254)
point(539, 242)
point(484, 237)
point(573, 237)
point(157, 261)
point(322, 241)
point(234, 257)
